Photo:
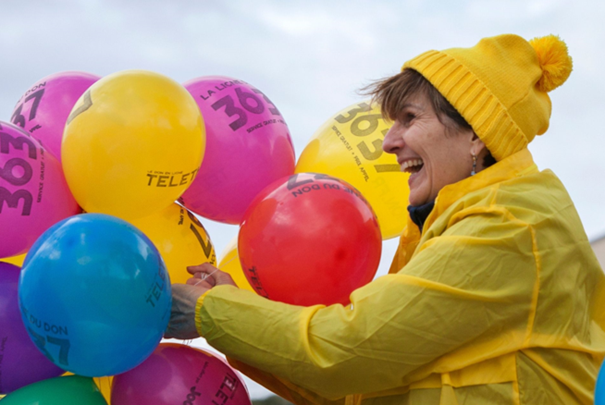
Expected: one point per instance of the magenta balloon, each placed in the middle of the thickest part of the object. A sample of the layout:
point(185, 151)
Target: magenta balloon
point(179, 374)
point(33, 191)
point(21, 363)
point(44, 108)
point(248, 146)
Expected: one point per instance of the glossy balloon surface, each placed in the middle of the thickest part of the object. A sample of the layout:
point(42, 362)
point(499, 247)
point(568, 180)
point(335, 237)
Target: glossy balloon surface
point(45, 106)
point(33, 192)
point(309, 239)
point(132, 144)
point(15, 260)
point(179, 374)
point(21, 363)
point(70, 390)
point(230, 263)
point(349, 146)
point(103, 384)
point(248, 147)
point(180, 238)
point(95, 295)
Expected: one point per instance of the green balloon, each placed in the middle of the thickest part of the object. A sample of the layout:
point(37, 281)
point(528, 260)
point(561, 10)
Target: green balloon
point(69, 390)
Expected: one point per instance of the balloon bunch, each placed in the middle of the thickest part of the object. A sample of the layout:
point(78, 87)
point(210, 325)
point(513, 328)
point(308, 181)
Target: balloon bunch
point(131, 143)
point(101, 182)
point(94, 292)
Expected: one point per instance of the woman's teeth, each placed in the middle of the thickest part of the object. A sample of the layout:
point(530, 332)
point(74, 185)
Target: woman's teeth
point(412, 166)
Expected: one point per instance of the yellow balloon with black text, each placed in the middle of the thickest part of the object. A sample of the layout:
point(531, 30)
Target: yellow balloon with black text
point(180, 238)
point(132, 144)
point(349, 146)
point(16, 260)
point(229, 263)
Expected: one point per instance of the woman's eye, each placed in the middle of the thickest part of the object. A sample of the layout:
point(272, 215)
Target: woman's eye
point(408, 118)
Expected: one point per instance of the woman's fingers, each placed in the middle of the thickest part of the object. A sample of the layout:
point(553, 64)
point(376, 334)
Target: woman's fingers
point(203, 272)
point(199, 282)
point(223, 278)
point(210, 274)
point(201, 268)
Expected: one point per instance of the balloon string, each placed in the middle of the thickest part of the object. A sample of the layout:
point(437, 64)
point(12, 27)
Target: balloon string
point(227, 262)
point(205, 276)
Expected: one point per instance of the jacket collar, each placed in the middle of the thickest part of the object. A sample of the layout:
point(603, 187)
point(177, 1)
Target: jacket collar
point(516, 165)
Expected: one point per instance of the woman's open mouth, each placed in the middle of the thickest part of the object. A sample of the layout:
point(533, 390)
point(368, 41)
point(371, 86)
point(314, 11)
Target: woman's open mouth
point(412, 166)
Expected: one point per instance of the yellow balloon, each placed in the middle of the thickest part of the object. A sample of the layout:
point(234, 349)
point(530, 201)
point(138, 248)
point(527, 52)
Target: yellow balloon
point(180, 238)
point(132, 144)
point(16, 260)
point(349, 146)
point(104, 385)
point(230, 264)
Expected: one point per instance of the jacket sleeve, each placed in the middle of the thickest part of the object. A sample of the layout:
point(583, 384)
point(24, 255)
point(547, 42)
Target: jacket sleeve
point(464, 288)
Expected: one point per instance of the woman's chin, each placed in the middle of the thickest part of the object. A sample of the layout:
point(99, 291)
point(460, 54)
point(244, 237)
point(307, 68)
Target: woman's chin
point(418, 194)
point(417, 199)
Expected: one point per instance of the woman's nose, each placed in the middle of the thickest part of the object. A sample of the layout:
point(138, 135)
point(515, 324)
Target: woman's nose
point(393, 140)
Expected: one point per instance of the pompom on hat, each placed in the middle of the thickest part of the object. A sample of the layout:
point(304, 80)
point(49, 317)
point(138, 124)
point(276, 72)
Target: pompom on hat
point(500, 86)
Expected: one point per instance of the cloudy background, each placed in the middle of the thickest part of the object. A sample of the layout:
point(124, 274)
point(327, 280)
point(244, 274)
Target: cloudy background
point(310, 58)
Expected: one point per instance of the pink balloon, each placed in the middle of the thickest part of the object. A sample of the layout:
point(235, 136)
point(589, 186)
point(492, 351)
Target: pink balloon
point(248, 146)
point(179, 374)
point(33, 191)
point(44, 108)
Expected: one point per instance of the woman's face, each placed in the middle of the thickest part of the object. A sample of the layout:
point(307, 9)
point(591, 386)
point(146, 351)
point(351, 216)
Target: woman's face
point(434, 155)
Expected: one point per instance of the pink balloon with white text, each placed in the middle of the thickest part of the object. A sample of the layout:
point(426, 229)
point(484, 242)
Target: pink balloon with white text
point(248, 146)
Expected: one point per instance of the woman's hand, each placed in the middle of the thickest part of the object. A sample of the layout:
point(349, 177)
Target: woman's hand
point(185, 296)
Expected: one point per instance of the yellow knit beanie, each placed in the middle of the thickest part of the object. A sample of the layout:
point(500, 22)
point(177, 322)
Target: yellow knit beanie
point(500, 86)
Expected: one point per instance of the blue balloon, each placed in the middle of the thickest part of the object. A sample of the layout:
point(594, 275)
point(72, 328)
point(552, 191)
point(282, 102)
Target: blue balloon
point(95, 295)
point(599, 392)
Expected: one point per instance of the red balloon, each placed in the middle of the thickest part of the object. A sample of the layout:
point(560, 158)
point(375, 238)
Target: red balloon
point(309, 239)
point(179, 374)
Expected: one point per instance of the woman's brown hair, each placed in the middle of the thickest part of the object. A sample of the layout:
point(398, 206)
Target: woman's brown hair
point(393, 92)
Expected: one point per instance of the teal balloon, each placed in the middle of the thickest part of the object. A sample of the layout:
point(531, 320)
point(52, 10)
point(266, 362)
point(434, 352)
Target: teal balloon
point(71, 390)
point(95, 295)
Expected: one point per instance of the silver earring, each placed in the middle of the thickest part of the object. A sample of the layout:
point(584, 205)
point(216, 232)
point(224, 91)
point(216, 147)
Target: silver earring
point(474, 171)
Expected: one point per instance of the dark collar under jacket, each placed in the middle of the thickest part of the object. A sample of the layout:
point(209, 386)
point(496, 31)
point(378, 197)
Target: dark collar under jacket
point(420, 213)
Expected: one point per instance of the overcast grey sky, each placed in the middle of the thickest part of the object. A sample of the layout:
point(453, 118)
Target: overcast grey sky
point(310, 58)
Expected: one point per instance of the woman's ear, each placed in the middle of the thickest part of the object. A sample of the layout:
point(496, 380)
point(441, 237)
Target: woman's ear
point(477, 145)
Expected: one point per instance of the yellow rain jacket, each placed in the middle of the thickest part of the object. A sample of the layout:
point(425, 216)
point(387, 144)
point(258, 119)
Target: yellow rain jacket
point(499, 301)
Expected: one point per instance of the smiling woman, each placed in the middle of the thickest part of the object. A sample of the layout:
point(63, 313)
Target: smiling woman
point(431, 139)
point(494, 296)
